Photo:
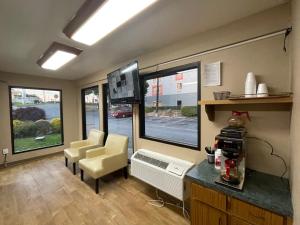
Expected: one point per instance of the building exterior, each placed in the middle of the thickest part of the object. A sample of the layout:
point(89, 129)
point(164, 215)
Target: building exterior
point(177, 90)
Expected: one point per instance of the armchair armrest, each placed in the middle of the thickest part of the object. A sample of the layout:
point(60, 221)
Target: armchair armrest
point(115, 160)
point(95, 152)
point(78, 144)
point(82, 150)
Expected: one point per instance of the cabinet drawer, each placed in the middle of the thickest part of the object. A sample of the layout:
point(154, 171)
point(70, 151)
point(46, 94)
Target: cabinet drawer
point(208, 196)
point(253, 214)
point(237, 221)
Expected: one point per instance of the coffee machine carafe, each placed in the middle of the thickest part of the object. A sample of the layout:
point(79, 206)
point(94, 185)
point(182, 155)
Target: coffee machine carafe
point(231, 141)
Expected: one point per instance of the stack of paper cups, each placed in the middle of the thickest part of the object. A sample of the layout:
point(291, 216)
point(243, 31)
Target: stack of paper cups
point(250, 85)
point(262, 90)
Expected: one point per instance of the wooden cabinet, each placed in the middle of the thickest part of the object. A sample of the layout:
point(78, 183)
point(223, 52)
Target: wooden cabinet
point(210, 207)
point(203, 214)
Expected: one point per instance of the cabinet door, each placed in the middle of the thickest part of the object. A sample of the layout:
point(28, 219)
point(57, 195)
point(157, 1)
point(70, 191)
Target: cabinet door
point(236, 221)
point(202, 214)
point(208, 196)
point(253, 214)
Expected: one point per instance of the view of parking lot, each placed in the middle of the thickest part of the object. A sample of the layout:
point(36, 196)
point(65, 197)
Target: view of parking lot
point(170, 105)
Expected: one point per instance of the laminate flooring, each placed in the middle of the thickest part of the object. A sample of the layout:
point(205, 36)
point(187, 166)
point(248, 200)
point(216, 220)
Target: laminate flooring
point(44, 191)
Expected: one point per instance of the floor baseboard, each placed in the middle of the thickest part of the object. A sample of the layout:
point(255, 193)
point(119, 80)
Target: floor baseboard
point(10, 164)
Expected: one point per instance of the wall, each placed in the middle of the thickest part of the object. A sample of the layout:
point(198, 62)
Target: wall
point(70, 114)
point(265, 58)
point(295, 128)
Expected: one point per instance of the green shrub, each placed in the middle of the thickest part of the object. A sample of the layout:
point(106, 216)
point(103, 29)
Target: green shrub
point(28, 114)
point(43, 127)
point(17, 127)
point(24, 129)
point(149, 109)
point(189, 111)
point(55, 125)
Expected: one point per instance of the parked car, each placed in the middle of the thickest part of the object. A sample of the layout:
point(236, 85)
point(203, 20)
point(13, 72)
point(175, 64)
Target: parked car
point(121, 114)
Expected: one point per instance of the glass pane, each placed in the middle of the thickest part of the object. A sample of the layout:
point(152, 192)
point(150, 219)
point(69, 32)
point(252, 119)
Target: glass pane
point(119, 121)
point(91, 106)
point(171, 107)
point(36, 118)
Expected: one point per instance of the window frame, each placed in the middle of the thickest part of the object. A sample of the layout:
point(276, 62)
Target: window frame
point(105, 115)
point(11, 118)
point(165, 73)
point(83, 111)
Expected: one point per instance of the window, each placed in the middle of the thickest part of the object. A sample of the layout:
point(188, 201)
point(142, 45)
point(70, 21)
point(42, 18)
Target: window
point(169, 110)
point(118, 119)
point(90, 110)
point(36, 118)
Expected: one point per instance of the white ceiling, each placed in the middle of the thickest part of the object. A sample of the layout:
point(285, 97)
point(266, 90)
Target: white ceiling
point(28, 27)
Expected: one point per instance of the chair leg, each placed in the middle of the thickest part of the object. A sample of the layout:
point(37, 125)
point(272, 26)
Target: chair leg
point(97, 186)
point(74, 168)
point(66, 161)
point(81, 175)
point(125, 172)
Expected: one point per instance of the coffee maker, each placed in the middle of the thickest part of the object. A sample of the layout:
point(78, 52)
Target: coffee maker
point(232, 142)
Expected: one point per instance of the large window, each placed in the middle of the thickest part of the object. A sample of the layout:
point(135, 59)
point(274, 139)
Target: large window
point(36, 118)
point(90, 110)
point(169, 111)
point(118, 119)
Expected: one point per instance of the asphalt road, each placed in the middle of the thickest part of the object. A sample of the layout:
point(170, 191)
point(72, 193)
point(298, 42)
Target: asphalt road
point(178, 129)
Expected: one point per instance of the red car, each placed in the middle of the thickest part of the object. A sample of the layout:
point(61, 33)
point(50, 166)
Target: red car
point(121, 114)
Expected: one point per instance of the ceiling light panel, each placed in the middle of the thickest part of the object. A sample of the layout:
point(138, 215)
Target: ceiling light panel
point(57, 55)
point(109, 15)
point(58, 59)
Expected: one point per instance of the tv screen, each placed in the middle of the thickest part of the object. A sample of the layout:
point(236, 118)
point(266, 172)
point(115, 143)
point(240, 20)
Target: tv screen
point(124, 84)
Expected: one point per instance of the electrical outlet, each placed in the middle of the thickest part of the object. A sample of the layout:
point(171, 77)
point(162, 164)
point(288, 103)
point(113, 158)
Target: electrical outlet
point(5, 151)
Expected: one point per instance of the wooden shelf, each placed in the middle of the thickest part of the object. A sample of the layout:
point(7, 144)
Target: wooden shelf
point(210, 105)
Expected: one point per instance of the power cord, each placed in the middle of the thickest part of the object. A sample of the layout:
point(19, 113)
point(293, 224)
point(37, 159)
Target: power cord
point(160, 202)
point(273, 154)
point(287, 32)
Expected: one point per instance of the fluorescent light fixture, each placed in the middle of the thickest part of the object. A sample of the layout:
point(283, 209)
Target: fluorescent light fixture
point(57, 55)
point(130, 68)
point(97, 18)
point(190, 83)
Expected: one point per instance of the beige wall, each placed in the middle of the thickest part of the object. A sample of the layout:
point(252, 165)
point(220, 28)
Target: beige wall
point(70, 113)
point(265, 58)
point(295, 128)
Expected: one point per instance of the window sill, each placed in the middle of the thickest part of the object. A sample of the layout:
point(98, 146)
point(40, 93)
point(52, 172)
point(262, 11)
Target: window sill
point(197, 148)
point(31, 150)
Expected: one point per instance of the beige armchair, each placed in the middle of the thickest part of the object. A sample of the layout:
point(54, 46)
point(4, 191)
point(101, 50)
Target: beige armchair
point(78, 149)
point(102, 161)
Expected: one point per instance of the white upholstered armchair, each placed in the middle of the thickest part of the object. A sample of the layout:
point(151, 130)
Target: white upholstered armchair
point(78, 149)
point(102, 161)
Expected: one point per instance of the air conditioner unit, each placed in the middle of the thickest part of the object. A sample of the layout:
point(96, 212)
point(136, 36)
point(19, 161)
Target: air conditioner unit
point(161, 171)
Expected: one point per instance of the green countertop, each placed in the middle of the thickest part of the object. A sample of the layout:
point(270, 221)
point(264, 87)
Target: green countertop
point(263, 190)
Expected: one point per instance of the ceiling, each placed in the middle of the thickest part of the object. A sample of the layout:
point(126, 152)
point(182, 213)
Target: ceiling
point(29, 27)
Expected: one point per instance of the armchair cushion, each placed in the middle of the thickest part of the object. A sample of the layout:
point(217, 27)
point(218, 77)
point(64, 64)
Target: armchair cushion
point(95, 137)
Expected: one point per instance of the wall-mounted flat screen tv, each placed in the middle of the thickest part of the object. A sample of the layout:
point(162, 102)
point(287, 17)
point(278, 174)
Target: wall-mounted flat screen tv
point(124, 84)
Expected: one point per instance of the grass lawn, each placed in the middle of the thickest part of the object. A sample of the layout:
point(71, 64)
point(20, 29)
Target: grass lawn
point(25, 144)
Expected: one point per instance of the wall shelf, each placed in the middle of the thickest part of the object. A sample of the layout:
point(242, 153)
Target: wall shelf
point(211, 105)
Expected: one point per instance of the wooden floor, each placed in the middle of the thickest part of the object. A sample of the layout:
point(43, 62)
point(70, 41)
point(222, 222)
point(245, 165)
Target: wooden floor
point(44, 191)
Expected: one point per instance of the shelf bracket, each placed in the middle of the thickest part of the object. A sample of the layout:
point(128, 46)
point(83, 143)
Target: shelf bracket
point(210, 111)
